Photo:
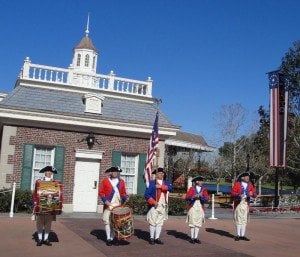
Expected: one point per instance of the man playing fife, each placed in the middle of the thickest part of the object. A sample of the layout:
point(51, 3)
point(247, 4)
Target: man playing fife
point(242, 191)
point(196, 196)
point(157, 198)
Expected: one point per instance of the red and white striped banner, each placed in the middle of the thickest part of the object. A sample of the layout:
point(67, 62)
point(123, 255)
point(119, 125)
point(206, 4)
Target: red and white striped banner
point(278, 120)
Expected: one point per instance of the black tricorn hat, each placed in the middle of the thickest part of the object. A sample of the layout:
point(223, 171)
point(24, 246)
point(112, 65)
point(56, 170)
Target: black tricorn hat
point(244, 174)
point(159, 170)
point(112, 169)
point(198, 178)
point(48, 168)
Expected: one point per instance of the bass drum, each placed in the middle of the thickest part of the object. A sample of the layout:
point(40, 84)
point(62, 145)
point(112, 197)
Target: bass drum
point(48, 197)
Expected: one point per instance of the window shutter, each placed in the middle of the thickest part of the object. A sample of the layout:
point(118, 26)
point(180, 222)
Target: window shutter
point(141, 187)
point(116, 159)
point(27, 166)
point(59, 162)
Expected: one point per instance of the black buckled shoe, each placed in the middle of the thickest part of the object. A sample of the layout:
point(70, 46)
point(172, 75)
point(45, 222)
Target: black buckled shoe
point(197, 241)
point(245, 238)
point(39, 243)
point(192, 241)
point(237, 238)
point(158, 241)
point(109, 242)
point(151, 241)
point(47, 242)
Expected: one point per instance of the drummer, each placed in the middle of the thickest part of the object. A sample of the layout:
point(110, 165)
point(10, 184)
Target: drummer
point(112, 191)
point(44, 220)
point(157, 198)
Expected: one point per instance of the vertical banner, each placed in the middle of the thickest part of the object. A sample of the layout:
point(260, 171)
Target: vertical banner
point(278, 119)
point(151, 155)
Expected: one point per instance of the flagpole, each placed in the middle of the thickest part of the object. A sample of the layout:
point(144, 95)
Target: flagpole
point(157, 102)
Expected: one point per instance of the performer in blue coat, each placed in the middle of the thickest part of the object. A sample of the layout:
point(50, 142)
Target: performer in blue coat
point(157, 198)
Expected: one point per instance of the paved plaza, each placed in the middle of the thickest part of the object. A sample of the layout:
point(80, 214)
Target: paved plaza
point(82, 234)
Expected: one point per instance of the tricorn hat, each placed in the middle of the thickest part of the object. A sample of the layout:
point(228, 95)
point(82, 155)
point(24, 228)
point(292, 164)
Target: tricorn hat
point(48, 168)
point(112, 169)
point(198, 178)
point(159, 170)
point(243, 174)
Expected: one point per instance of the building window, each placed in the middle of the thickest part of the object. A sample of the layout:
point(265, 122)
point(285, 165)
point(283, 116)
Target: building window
point(42, 156)
point(78, 59)
point(94, 61)
point(87, 60)
point(129, 166)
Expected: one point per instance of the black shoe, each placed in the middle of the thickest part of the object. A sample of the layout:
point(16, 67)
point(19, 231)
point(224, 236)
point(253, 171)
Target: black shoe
point(237, 238)
point(158, 241)
point(245, 238)
point(47, 242)
point(192, 241)
point(151, 241)
point(39, 243)
point(109, 242)
point(197, 241)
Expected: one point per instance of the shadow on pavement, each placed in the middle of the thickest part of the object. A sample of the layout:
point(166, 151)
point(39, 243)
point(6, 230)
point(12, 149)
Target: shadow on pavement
point(219, 232)
point(52, 237)
point(99, 233)
point(141, 234)
point(177, 234)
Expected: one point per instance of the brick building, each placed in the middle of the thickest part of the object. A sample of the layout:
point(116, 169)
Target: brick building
point(82, 123)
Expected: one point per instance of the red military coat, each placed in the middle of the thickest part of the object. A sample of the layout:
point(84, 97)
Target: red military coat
point(237, 191)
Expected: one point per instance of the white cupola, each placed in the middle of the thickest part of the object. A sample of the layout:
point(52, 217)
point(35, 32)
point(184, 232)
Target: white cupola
point(85, 55)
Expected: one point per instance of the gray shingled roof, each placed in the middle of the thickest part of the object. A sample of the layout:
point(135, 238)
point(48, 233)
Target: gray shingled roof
point(188, 137)
point(68, 103)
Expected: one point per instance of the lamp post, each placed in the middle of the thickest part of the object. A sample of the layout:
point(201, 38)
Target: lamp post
point(247, 161)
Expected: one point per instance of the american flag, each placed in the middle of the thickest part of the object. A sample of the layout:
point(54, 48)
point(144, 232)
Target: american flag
point(279, 96)
point(151, 155)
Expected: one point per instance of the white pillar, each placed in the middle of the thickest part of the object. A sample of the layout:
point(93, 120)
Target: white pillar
point(11, 214)
point(213, 207)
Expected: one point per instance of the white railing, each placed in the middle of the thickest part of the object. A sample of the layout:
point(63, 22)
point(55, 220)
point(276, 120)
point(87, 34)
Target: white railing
point(103, 82)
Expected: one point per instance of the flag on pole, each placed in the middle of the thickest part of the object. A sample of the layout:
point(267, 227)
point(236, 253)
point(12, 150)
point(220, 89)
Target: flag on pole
point(279, 96)
point(151, 155)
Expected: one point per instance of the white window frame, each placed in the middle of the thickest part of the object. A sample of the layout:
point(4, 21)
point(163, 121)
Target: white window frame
point(78, 60)
point(123, 174)
point(35, 169)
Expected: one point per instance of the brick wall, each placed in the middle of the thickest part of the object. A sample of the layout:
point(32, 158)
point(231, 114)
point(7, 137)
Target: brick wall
point(71, 141)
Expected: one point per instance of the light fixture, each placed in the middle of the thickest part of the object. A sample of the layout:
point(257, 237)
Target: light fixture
point(90, 140)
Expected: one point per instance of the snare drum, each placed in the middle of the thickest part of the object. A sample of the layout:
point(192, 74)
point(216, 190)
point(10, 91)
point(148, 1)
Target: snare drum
point(121, 218)
point(48, 197)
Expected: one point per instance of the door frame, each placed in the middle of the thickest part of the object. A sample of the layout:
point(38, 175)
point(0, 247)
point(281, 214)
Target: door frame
point(86, 155)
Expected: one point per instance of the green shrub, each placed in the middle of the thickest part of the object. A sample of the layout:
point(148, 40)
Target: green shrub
point(138, 204)
point(177, 206)
point(22, 203)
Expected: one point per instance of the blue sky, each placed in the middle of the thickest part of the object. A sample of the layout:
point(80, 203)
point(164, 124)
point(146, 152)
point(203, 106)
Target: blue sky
point(201, 54)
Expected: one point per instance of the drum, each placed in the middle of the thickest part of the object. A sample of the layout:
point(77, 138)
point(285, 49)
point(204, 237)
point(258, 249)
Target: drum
point(48, 197)
point(121, 219)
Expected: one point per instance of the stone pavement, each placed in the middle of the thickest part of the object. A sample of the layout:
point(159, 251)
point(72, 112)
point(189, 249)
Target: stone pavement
point(82, 234)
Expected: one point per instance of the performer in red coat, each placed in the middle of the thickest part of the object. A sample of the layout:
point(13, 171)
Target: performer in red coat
point(196, 197)
point(241, 192)
point(112, 191)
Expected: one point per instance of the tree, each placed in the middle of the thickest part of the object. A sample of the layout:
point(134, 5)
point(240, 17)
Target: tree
point(230, 121)
point(290, 68)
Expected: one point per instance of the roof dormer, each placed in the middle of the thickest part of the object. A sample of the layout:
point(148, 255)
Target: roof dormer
point(93, 103)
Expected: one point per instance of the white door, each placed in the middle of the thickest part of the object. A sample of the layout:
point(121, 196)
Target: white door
point(86, 180)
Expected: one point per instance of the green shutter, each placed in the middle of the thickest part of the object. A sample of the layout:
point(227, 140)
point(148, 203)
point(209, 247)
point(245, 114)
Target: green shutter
point(141, 187)
point(59, 162)
point(27, 166)
point(116, 159)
